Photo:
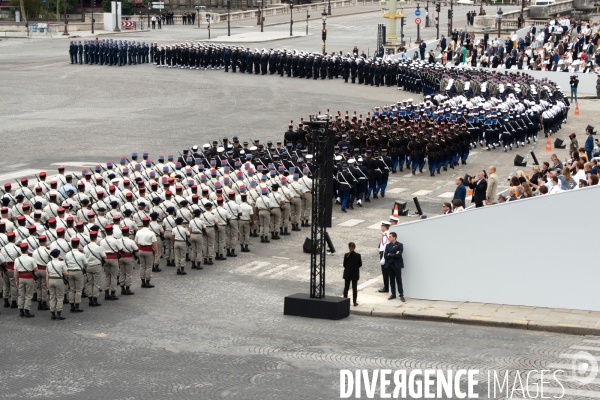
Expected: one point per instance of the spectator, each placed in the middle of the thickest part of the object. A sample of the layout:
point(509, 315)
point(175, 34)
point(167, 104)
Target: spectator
point(512, 193)
point(566, 181)
point(555, 185)
point(543, 190)
point(501, 199)
point(460, 193)
point(446, 208)
point(579, 171)
point(574, 145)
point(352, 264)
point(535, 178)
point(394, 263)
point(593, 180)
point(479, 186)
point(385, 239)
point(589, 142)
point(492, 185)
point(514, 181)
point(457, 204)
point(393, 220)
point(527, 191)
point(556, 164)
point(520, 192)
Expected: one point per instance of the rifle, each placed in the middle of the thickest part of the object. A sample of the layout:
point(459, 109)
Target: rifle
point(133, 253)
point(23, 187)
point(35, 278)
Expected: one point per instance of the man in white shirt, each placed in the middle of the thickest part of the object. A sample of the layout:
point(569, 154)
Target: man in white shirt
point(555, 185)
point(385, 239)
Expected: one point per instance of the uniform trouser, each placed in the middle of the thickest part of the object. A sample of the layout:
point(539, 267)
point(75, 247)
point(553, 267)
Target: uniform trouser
point(220, 239)
point(465, 155)
point(395, 160)
point(275, 219)
point(159, 244)
point(306, 206)
point(296, 210)
point(196, 242)
point(146, 262)
point(361, 189)
point(208, 247)
point(285, 216)
point(244, 232)
point(180, 251)
point(57, 292)
point(75, 286)
point(9, 288)
point(384, 274)
point(232, 231)
point(125, 270)
point(432, 162)
point(372, 187)
point(92, 280)
point(395, 273)
point(344, 195)
point(264, 219)
point(40, 285)
point(168, 246)
point(111, 268)
point(26, 288)
point(382, 184)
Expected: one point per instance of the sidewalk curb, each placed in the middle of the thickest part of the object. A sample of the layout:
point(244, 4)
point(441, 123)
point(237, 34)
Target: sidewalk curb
point(570, 329)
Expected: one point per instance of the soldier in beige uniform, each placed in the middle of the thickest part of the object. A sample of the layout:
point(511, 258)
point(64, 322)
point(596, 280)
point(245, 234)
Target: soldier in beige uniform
point(297, 190)
point(263, 207)
point(24, 275)
point(158, 230)
point(129, 253)
point(169, 224)
point(113, 248)
point(96, 257)
point(210, 223)
point(179, 240)
point(223, 218)
point(41, 256)
point(10, 252)
point(56, 275)
point(233, 229)
point(145, 239)
point(76, 264)
point(277, 202)
point(288, 198)
point(246, 223)
point(197, 229)
point(307, 199)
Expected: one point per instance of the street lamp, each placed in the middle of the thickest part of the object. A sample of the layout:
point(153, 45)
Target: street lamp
point(427, 15)
point(307, 17)
point(324, 33)
point(117, 29)
point(291, 16)
point(93, 6)
point(499, 18)
point(418, 41)
point(66, 31)
point(198, 12)
point(260, 14)
point(228, 17)
point(328, 7)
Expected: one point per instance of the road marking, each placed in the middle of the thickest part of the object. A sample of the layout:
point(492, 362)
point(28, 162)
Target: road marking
point(422, 193)
point(285, 271)
point(16, 165)
point(591, 341)
point(446, 195)
point(281, 258)
point(408, 175)
point(18, 174)
point(587, 348)
point(77, 163)
point(352, 222)
point(367, 283)
point(269, 271)
point(258, 265)
point(396, 190)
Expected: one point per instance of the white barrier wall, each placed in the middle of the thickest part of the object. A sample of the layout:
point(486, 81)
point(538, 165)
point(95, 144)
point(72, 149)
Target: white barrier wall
point(535, 252)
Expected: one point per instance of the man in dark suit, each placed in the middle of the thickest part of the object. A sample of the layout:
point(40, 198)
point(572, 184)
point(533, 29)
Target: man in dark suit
point(443, 43)
point(461, 191)
point(479, 186)
point(394, 264)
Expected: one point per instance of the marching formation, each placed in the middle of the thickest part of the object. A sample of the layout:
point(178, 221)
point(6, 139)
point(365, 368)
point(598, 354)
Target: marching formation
point(109, 52)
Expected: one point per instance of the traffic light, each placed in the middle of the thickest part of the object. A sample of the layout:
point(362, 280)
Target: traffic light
point(438, 7)
point(449, 14)
point(291, 5)
point(324, 34)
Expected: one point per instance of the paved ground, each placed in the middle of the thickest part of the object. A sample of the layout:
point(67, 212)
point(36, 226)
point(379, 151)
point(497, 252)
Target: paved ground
point(220, 332)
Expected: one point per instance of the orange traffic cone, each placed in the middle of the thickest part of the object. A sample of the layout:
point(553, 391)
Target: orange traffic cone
point(549, 143)
point(396, 213)
point(576, 109)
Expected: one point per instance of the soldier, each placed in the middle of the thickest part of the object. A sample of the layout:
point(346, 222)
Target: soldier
point(246, 223)
point(232, 230)
point(210, 223)
point(76, 265)
point(25, 269)
point(112, 247)
point(42, 257)
point(145, 240)
point(179, 239)
point(197, 230)
point(56, 274)
point(263, 208)
point(223, 218)
point(96, 257)
point(129, 253)
point(10, 252)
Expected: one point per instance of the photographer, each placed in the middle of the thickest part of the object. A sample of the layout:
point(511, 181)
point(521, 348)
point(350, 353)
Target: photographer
point(574, 81)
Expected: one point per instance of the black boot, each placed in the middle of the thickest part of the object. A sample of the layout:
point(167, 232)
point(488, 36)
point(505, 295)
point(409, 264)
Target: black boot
point(128, 291)
point(232, 253)
point(280, 230)
point(6, 303)
point(59, 317)
point(77, 309)
point(65, 299)
point(285, 232)
point(276, 236)
point(210, 262)
point(182, 272)
point(123, 290)
point(28, 314)
point(199, 266)
point(39, 305)
point(45, 305)
point(91, 302)
point(106, 295)
point(267, 239)
point(14, 304)
point(156, 269)
point(96, 304)
point(83, 293)
point(72, 307)
point(35, 298)
point(262, 239)
point(21, 312)
point(53, 315)
point(112, 296)
point(228, 253)
point(143, 283)
point(247, 249)
point(148, 285)
point(193, 264)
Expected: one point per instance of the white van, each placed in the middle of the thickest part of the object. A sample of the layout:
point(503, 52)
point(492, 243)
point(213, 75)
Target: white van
point(544, 2)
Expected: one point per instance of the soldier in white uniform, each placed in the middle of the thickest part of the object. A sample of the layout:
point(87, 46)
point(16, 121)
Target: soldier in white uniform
point(263, 210)
point(197, 230)
point(223, 219)
point(159, 232)
point(76, 264)
point(298, 191)
point(307, 199)
point(129, 253)
point(168, 225)
point(179, 239)
point(145, 239)
point(24, 275)
point(42, 257)
point(112, 247)
point(277, 201)
point(232, 230)
point(210, 223)
point(56, 274)
point(10, 252)
point(246, 222)
point(96, 257)
point(288, 199)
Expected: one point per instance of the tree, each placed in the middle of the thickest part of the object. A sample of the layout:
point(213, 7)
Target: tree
point(29, 8)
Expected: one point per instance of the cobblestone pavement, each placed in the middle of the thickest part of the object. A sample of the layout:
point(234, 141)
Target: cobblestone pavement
point(220, 332)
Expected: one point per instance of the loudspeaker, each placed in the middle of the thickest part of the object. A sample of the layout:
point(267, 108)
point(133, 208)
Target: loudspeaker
point(535, 160)
point(401, 207)
point(558, 144)
point(308, 245)
point(418, 206)
point(520, 161)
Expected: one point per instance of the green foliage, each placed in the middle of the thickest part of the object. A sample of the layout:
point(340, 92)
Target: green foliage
point(128, 7)
point(33, 8)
